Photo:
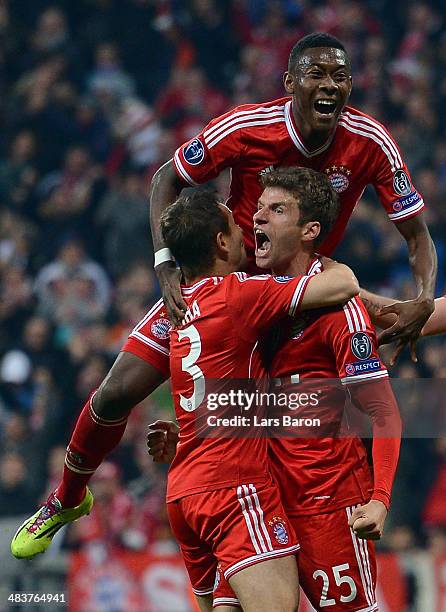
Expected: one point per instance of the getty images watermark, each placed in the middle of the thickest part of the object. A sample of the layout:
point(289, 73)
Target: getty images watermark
point(259, 405)
point(310, 408)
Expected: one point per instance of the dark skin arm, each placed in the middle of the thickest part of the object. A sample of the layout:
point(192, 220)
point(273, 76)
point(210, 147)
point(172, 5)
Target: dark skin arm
point(413, 314)
point(164, 189)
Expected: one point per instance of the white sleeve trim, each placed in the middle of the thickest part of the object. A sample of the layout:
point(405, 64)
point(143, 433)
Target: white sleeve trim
point(406, 213)
point(179, 166)
point(348, 380)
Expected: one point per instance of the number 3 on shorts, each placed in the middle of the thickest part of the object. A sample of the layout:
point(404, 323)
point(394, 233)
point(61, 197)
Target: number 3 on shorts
point(336, 569)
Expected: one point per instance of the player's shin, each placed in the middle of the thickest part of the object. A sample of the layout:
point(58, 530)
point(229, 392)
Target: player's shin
point(92, 439)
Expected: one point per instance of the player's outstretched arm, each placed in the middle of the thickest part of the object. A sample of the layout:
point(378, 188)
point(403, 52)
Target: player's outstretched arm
point(412, 315)
point(381, 317)
point(335, 285)
point(436, 323)
point(164, 189)
point(375, 304)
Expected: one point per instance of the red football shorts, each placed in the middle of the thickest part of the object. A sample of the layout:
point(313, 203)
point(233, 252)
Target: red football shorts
point(337, 570)
point(233, 528)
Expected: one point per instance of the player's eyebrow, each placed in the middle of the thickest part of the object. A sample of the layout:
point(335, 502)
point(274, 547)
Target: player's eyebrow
point(324, 65)
point(274, 204)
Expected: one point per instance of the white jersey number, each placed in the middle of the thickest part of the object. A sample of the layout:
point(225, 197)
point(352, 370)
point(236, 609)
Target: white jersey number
point(189, 365)
point(336, 569)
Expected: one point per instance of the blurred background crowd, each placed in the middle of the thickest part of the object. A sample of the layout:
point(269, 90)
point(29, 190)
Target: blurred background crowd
point(96, 95)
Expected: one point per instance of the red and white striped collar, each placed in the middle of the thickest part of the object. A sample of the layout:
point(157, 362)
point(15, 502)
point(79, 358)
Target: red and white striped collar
point(295, 136)
point(315, 266)
point(191, 289)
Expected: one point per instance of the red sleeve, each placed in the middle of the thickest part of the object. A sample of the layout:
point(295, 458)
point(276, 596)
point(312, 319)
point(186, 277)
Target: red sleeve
point(392, 180)
point(376, 398)
point(350, 334)
point(216, 147)
point(150, 339)
point(257, 302)
point(352, 338)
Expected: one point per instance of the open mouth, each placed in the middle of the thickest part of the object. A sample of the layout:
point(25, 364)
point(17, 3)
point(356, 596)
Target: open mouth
point(263, 243)
point(325, 106)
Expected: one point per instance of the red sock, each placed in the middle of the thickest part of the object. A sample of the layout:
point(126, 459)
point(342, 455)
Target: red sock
point(93, 438)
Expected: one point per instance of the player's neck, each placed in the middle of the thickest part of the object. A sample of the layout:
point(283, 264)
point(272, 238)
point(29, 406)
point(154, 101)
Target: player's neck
point(219, 268)
point(297, 266)
point(312, 139)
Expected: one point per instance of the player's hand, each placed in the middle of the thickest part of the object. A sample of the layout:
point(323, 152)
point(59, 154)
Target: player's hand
point(412, 316)
point(169, 278)
point(368, 521)
point(162, 439)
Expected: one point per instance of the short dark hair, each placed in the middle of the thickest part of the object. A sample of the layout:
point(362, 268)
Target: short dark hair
point(316, 39)
point(189, 227)
point(317, 199)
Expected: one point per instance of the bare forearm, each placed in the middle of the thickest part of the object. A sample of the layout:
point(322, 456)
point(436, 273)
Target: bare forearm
point(422, 256)
point(374, 302)
point(436, 323)
point(164, 189)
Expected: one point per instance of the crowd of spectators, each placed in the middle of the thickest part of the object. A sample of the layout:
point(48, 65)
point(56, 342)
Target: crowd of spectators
point(96, 96)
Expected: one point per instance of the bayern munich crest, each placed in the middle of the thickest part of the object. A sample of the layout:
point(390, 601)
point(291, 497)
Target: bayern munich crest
point(338, 176)
point(279, 529)
point(161, 328)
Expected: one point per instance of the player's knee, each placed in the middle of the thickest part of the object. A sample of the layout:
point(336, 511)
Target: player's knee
point(113, 399)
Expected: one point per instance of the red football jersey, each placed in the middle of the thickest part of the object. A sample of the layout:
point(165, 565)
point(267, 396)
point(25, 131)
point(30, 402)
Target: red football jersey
point(324, 473)
point(218, 340)
point(253, 138)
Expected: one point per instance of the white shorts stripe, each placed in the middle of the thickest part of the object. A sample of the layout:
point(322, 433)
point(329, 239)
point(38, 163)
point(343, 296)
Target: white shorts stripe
point(240, 495)
point(238, 126)
point(150, 343)
point(262, 519)
point(379, 128)
point(226, 601)
point(243, 114)
point(372, 137)
point(255, 519)
point(282, 552)
point(359, 560)
point(201, 592)
point(208, 137)
point(181, 169)
point(372, 608)
point(363, 545)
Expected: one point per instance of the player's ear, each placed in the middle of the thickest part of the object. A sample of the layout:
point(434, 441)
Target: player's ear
point(310, 231)
point(222, 245)
point(288, 82)
point(351, 85)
